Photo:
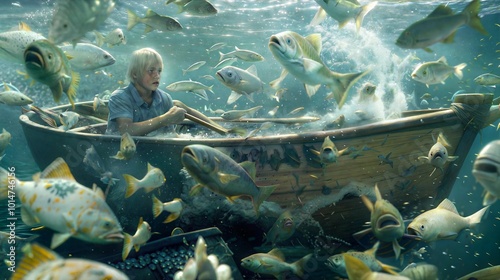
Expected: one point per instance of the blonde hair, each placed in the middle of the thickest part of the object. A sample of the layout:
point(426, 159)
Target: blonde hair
point(141, 60)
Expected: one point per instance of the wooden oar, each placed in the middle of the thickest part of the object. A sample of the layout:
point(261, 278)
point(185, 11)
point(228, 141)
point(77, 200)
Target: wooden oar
point(304, 119)
point(215, 128)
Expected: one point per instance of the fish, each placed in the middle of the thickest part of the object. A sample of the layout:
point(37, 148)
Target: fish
point(329, 152)
point(273, 263)
point(438, 154)
point(386, 222)
point(191, 86)
point(127, 148)
point(57, 201)
point(14, 97)
point(41, 263)
point(113, 38)
point(367, 93)
point(153, 179)
point(174, 207)
point(440, 26)
point(201, 8)
point(357, 269)
point(290, 155)
point(141, 236)
point(66, 27)
point(336, 124)
point(487, 79)
point(237, 114)
point(443, 222)
point(282, 229)
point(241, 82)
point(216, 46)
point(273, 111)
point(10, 239)
point(485, 170)
point(225, 62)
point(242, 54)
point(87, 57)
point(193, 67)
point(489, 273)
point(95, 162)
point(300, 56)
point(337, 264)
point(422, 271)
point(47, 64)
point(386, 160)
point(13, 43)
point(213, 169)
point(263, 126)
point(296, 110)
point(5, 138)
point(49, 117)
point(436, 72)
point(279, 94)
point(275, 160)
point(97, 103)
point(153, 21)
point(343, 11)
point(68, 119)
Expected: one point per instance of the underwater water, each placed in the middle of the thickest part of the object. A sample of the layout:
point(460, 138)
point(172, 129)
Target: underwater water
point(249, 25)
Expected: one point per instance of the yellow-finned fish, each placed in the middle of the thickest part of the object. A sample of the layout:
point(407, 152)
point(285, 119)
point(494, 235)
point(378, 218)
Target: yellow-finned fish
point(273, 263)
point(438, 154)
point(329, 152)
point(174, 207)
point(127, 147)
point(47, 64)
point(39, 262)
point(73, 19)
point(487, 79)
point(221, 174)
point(153, 179)
point(282, 229)
point(386, 222)
point(337, 263)
point(153, 21)
point(343, 11)
point(485, 170)
point(357, 269)
point(489, 273)
point(440, 26)
point(141, 236)
point(55, 200)
point(443, 222)
point(300, 56)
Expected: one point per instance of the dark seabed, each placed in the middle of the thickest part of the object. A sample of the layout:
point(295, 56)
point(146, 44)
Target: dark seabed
point(249, 25)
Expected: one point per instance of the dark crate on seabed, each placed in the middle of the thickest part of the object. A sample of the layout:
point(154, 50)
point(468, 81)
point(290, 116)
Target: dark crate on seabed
point(162, 258)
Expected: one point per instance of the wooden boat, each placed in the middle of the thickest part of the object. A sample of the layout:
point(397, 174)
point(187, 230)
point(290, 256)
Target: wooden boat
point(327, 194)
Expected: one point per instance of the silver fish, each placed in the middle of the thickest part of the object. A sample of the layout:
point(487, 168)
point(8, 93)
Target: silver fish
point(245, 55)
point(193, 67)
point(436, 72)
point(240, 81)
point(485, 170)
point(343, 11)
point(13, 43)
point(87, 57)
point(438, 154)
point(487, 79)
point(68, 119)
point(236, 114)
point(153, 21)
point(201, 8)
point(191, 86)
point(113, 38)
point(14, 97)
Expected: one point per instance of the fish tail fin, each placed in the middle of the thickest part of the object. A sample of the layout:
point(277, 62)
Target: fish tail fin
point(475, 218)
point(99, 39)
point(472, 12)
point(318, 17)
point(264, 193)
point(75, 81)
point(133, 19)
point(222, 56)
point(127, 245)
point(210, 88)
point(131, 183)
point(298, 266)
point(341, 85)
point(364, 10)
point(389, 269)
point(172, 217)
point(157, 207)
point(458, 70)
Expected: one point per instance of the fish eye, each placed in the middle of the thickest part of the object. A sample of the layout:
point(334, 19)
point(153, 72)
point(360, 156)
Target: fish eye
point(422, 227)
point(288, 41)
point(425, 72)
point(106, 56)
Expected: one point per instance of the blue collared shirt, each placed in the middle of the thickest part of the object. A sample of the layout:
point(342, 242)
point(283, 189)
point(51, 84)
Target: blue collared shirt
point(127, 103)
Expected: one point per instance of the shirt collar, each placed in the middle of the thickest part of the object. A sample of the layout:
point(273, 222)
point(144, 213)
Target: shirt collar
point(138, 99)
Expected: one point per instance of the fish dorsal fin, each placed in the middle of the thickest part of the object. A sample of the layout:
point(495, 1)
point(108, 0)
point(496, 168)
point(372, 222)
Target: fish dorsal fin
point(249, 168)
point(7, 88)
point(442, 139)
point(252, 70)
point(34, 256)
point(150, 167)
point(151, 13)
point(367, 202)
point(446, 204)
point(141, 220)
point(57, 169)
point(373, 250)
point(98, 191)
point(377, 193)
point(277, 253)
point(443, 60)
point(24, 26)
point(315, 40)
point(440, 11)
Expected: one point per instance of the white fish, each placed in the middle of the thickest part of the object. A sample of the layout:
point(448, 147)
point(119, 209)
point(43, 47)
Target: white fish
point(436, 72)
point(141, 236)
point(193, 67)
point(245, 55)
point(5, 138)
point(236, 114)
point(225, 62)
point(153, 179)
point(191, 86)
point(87, 57)
point(13, 97)
point(487, 79)
point(367, 93)
point(443, 222)
point(438, 154)
point(198, 8)
point(97, 102)
point(13, 43)
point(174, 207)
point(71, 20)
point(216, 46)
point(357, 269)
point(300, 56)
point(68, 119)
point(241, 82)
point(343, 11)
point(55, 200)
point(485, 170)
point(127, 148)
point(41, 263)
point(273, 263)
point(153, 21)
point(113, 38)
